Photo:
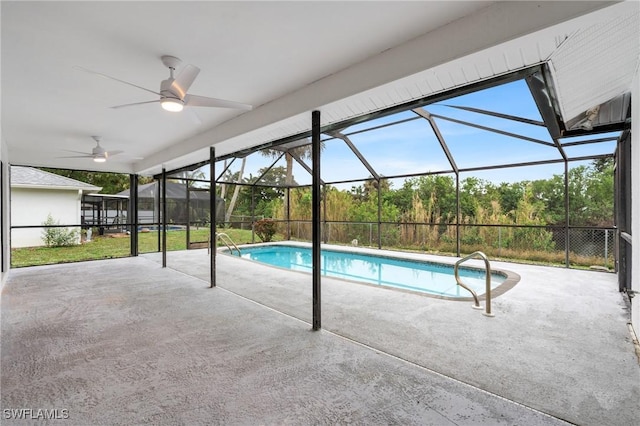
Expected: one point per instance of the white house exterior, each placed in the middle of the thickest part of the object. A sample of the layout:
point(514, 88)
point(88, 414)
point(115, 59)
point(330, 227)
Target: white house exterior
point(35, 194)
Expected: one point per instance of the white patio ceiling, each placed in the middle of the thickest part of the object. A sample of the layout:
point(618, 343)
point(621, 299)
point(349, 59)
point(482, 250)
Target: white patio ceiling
point(285, 58)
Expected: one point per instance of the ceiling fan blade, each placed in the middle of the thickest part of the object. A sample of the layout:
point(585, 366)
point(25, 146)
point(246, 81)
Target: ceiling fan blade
point(135, 103)
point(202, 101)
point(193, 116)
point(77, 152)
point(125, 158)
point(112, 153)
point(115, 79)
point(183, 81)
point(78, 156)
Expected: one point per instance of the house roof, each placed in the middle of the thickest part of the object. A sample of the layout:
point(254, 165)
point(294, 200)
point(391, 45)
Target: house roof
point(28, 177)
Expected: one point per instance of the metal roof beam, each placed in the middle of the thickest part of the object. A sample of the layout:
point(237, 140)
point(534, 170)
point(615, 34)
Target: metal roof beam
point(491, 129)
point(428, 116)
point(357, 153)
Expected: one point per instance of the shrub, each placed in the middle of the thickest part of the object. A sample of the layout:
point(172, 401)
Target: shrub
point(265, 229)
point(58, 237)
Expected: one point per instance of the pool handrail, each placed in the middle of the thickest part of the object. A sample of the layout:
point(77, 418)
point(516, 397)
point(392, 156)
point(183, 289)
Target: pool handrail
point(227, 242)
point(481, 255)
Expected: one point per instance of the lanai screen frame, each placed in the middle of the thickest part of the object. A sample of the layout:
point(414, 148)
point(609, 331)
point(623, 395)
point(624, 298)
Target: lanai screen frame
point(537, 81)
point(534, 76)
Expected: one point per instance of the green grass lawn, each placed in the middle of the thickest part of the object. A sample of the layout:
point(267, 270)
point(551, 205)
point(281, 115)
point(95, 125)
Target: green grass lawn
point(113, 246)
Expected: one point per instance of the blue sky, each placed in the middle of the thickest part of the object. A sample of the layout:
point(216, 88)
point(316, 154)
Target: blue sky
point(411, 147)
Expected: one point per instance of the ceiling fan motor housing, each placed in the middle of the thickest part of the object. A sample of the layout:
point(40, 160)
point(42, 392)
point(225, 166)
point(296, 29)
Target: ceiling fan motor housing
point(165, 90)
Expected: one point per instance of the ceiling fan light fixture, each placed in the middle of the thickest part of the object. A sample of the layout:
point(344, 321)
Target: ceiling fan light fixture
point(171, 104)
point(99, 158)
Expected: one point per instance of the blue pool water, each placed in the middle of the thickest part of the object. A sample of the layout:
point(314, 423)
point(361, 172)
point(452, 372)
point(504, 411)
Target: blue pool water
point(433, 278)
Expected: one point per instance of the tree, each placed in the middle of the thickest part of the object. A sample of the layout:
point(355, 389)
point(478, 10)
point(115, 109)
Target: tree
point(190, 178)
point(223, 185)
point(472, 192)
point(302, 152)
point(550, 192)
point(603, 165)
point(509, 195)
point(590, 193)
point(111, 183)
point(402, 197)
point(269, 188)
point(369, 188)
point(596, 194)
point(236, 190)
point(439, 193)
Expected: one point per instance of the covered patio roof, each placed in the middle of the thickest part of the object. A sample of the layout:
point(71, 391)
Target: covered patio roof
point(286, 59)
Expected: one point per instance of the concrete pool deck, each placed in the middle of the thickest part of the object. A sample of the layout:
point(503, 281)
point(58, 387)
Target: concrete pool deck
point(125, 341)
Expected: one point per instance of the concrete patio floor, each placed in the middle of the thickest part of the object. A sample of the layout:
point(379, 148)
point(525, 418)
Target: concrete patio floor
point(128, 342)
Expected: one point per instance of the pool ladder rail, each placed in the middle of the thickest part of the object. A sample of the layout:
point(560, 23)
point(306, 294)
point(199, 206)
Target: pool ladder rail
point(481, 255)
point(227, 241)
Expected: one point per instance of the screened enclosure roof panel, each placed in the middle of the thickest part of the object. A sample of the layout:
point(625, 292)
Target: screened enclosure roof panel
point(509, 99)
point(175, 191)
point(407, 147)
point(497, 126)
point(341, 163)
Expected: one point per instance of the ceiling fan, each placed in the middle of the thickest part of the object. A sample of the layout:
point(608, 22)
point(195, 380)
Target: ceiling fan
point(99, 154)
point(173, 94)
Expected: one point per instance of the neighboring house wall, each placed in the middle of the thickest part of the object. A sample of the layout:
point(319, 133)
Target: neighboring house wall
point(635, 202)
point(31, 206)
point(5, 221)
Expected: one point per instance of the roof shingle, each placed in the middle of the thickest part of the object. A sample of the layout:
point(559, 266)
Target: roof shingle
point(30, 177)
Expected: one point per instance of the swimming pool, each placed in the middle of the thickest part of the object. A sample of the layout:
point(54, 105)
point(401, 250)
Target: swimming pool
point(426, 277)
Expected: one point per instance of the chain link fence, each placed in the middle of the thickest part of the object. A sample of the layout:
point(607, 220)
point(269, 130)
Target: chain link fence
point(585, 247)
point(592, 247)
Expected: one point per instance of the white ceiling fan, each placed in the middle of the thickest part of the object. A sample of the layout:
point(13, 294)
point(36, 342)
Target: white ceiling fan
point(173, 94)
point(99, 154)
